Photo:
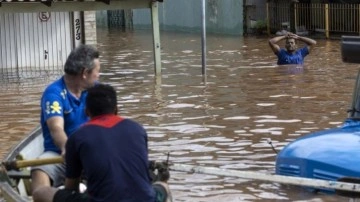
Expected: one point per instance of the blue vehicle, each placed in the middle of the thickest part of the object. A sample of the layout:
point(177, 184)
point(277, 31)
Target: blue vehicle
point(332, 154)
point(328, 155)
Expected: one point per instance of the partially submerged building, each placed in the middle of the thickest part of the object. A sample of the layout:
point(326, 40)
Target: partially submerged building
point(36, 36)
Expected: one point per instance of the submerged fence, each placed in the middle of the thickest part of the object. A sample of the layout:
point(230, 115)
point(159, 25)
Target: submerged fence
point(312, 18)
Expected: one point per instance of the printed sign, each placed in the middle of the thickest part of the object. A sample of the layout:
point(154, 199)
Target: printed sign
point(77, 26)
point(77, 29)
point(44, 16)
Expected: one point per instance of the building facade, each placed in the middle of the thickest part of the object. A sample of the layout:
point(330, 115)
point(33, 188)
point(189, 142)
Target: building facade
point(224, 17)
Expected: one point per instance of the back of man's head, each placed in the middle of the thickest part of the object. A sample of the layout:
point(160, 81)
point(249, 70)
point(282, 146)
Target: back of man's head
point(101, 100)
point(81, 58)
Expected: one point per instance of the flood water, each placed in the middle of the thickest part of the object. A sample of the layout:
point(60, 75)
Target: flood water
point(222, 121)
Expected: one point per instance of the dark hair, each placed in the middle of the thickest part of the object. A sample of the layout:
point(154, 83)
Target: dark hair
point(80, 58)
point(101, 99)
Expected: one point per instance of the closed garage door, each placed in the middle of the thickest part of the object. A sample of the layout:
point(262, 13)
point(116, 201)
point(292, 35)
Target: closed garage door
point(35, 41)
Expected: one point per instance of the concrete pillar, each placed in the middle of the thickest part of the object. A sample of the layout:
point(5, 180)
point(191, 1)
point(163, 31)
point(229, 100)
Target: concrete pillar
point(90, 27)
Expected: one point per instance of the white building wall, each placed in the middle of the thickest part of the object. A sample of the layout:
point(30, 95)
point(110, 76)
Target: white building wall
point(8, 50)
point(35, 41)
point(90, 27)
point(222, 16)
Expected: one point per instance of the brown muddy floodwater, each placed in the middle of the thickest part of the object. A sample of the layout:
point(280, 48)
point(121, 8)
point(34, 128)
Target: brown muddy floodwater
point(224, 122)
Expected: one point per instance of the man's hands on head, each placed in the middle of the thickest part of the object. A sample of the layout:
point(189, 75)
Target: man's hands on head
point(291, 35)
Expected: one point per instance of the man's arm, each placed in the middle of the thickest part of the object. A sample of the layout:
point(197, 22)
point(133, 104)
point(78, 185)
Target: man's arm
point(56, 127)
point(309, 42)
point(272, 43)
point(73, 163)
point(72, 183)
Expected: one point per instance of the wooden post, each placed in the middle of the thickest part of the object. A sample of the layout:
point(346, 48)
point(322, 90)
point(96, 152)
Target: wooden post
point(292, 16)
point(295, 15)
point(11, 165)
point(156, 36)
point(327, 35)
point(267, 18)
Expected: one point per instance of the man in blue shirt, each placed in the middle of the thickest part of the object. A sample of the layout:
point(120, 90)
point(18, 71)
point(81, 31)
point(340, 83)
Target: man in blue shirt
point(110, 152)
point(63, 111)
point(291, 55)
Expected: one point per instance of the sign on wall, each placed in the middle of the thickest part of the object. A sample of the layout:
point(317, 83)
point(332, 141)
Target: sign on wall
point(77, 28)
point(44, 16)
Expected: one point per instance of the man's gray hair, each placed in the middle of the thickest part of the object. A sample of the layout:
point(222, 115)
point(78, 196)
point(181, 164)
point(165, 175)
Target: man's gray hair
point(81, 58)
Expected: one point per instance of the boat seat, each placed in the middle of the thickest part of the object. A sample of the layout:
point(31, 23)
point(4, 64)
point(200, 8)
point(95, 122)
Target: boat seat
point(21, 181)
point(23, 174)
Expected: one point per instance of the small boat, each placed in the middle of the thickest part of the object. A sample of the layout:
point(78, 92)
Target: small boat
point(15, 184)
point(332, 154)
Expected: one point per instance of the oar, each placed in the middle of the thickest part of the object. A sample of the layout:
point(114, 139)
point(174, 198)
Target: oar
point(329, 184)
point(14, 165)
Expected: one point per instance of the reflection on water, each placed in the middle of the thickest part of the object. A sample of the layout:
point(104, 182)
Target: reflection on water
point(226, 122)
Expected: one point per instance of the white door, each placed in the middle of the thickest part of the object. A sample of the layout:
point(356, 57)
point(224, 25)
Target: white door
point(35, 41)
point(8, 58)
point(44, 39)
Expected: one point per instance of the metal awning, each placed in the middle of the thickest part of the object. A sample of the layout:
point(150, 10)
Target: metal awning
point(22, 6)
